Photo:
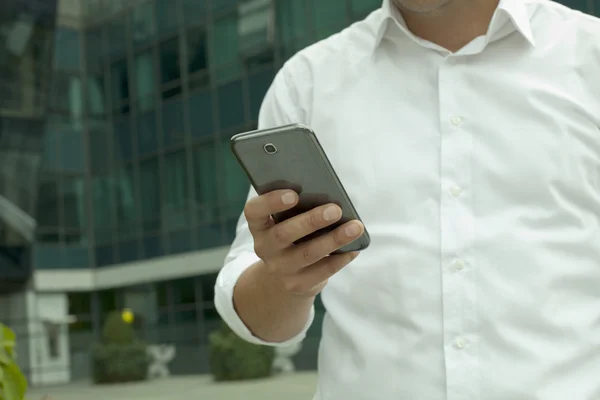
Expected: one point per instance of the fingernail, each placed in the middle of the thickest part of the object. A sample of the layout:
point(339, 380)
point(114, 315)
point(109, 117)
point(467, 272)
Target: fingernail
point(352, 230)
point(331, 213)
point(288, 198)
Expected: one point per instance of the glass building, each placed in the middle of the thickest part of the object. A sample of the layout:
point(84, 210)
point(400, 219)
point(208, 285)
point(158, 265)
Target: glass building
point(137, 197)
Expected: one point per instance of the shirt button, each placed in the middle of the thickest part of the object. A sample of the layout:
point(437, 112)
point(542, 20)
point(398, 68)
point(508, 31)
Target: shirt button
point(459, 265)
point(461, 343)
point(455, 191)
point(456, 121)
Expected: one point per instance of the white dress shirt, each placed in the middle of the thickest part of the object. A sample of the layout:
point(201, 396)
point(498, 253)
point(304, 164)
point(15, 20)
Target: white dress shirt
point(477, 175)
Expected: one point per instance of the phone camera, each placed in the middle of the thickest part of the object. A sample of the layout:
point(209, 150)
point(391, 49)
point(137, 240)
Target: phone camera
point(270, 148)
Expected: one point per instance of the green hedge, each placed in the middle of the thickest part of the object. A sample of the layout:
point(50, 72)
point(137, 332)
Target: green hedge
point(233, 359)
point(119, 357)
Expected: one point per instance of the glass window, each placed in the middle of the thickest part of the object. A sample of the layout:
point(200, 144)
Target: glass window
point(94, 49)
point(48, 203)
point(210, 235)
point(231, 106)
point(99, 142)
point(147, 138)
point(258, 84)
point(47, 256)
point(150, 195)
point(225, 58)
point(223, 5)
point(329, 17)
point(67, 45)
point(293, 26)
point(196, 50)
point(128, 250)
point(125, 202)
point(361, 8)
point(254, 25)
point(144, 81)
point(73, 197)
point(105, 255)
point(184, 291)
point(120, 86)
point(102, 209)
point(77, 255)
point(167, 16)
point(122, 143)
point(170, 68)
point(116, 32)
point(173, 129)
point(96, 102)
point(194, 11)
point(108, 302)
point(201, 114)
point(175, 192)
point(142, 22)
point(236, 184)
point(152, 246)
point(205, 182)
point(180, 242)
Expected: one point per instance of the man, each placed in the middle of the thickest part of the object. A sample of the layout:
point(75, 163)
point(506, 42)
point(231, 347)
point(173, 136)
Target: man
point(466, 134)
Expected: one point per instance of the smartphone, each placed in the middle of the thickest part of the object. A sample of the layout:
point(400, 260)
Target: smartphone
point(290, 157)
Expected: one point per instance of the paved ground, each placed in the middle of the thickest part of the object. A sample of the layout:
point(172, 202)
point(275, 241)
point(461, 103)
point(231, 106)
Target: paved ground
point(300, 386)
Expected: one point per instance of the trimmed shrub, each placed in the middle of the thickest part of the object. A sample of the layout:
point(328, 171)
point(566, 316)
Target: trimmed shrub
point(120, 357)
point(233, 359)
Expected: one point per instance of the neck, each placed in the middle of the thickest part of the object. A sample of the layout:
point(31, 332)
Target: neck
point(453, 25)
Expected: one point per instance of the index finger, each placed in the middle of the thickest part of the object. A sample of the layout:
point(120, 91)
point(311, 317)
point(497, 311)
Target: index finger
point(259, 209)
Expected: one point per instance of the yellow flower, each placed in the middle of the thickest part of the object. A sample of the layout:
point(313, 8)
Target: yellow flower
point(127, 316)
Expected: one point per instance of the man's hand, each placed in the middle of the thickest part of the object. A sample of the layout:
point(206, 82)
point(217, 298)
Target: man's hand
point(301, 269)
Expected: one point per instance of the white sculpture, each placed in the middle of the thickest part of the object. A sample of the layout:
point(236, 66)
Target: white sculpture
point(283, 362)
point(160, 356)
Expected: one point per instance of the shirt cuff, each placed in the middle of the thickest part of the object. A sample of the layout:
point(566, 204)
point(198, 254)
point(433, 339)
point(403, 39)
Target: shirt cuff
point(224, 286)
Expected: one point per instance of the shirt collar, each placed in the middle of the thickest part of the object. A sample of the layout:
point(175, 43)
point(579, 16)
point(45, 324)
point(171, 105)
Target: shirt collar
point(514, 9)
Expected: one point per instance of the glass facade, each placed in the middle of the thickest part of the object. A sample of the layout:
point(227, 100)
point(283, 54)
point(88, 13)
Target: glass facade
point(144, 100)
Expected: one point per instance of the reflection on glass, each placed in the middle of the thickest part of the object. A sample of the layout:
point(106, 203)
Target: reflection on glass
point(142, 22)
point(166, 16)
point(94, 49)
point(194, 11)
point(67, 47)
point(150, 192)
point(231, 106)
point(196, 50)
point(48, 203)
point(72, 195)
point(172, 124)
point(170, 68)
point(95, 95)
point(176, 192)
point(144, 79)
point(329, 17)
point(293, 28)
point(102, 207)
point(116, 31)
point(201, 114)
point(125, 203)
point(225, 46)
point(120, 86)
point(205, 182)
point(361, 8)
point(147, 138)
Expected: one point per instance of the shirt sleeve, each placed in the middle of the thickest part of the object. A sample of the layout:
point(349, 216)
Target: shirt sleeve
point(280, 107)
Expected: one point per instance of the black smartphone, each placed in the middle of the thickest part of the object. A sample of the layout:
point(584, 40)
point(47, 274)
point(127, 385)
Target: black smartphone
point(290, 157)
